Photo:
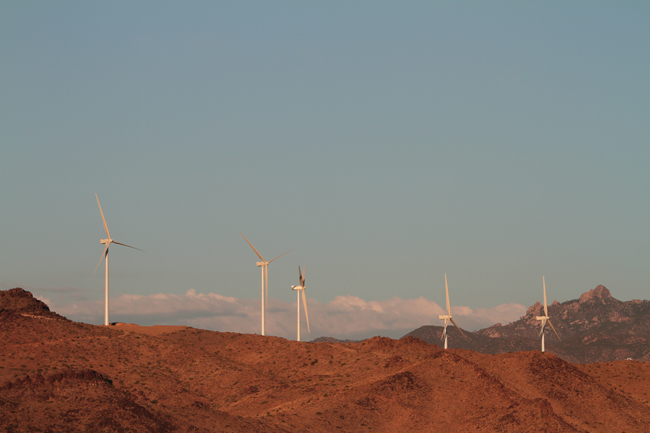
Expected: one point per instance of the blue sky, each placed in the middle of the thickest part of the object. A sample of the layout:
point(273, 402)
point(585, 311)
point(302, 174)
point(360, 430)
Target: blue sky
point(388, 143)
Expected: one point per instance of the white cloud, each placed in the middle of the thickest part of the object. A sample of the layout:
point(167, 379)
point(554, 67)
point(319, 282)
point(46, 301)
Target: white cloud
point(343, 317)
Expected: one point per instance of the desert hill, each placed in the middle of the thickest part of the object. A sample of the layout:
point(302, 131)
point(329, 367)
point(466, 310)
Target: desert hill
point(594, 328)
point(58, 375)
point(20, 301)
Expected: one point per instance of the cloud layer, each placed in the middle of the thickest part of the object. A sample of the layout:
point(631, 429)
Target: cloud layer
point(342, 317)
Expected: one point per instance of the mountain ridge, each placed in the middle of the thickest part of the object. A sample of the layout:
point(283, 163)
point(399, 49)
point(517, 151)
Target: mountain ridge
point(596, 327)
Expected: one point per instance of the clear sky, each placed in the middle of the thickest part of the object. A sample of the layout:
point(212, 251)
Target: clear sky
point(388, 143)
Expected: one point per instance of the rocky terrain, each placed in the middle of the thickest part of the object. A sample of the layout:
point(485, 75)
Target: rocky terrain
point(333, 340)
point(61, 376)
point(595, 328)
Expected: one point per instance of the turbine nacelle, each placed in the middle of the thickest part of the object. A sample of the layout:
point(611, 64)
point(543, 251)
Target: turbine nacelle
point(444, 317)
point(105, 241)
point(261, 264)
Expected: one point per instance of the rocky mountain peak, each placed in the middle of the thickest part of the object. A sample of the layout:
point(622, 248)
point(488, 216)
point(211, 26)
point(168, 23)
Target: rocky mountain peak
point(600, 293)
point(595, 328)
point(21, 301)
point(535, 309)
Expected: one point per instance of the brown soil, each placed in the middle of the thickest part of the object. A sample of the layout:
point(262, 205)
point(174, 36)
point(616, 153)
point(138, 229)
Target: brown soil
point(58, 376)
point(149, 330)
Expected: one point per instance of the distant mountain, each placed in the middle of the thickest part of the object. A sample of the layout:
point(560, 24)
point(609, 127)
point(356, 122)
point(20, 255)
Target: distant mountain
point(594, 328)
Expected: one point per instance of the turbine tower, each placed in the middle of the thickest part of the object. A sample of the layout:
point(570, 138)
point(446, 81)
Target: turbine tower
point(545, 317)
point(298, 289)
point(447, 317)
point(265, 279)
point(107, 242)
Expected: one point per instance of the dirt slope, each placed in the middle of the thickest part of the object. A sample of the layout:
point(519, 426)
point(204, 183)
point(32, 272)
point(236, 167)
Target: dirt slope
point(58, 375)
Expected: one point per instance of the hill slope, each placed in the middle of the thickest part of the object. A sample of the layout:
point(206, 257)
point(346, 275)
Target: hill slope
point(60, 375)
point(23, 302)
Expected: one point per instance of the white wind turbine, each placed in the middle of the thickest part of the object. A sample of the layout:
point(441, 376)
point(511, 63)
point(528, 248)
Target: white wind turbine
point(108, 242)
point(545, 318)
point(298, 289)
point(447, 317)
point(265, 279)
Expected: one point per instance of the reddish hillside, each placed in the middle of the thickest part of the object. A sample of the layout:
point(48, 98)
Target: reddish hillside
point(23, 302)
point(59, 375)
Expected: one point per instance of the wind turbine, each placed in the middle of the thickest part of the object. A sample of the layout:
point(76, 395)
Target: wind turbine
point(108, 242)
point(447, 317)
point(298, 289)
point(545, 318)
point(265, 279)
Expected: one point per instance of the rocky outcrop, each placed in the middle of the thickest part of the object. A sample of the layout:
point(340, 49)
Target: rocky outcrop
point(23, 302)
point(595, 327)
point(599, 294)
point(84, 375)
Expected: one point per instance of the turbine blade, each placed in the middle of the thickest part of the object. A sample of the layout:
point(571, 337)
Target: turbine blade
point(553, 328)
point(447, 291)
point(304, 273)
point(543, 327)
point(444, 331)
point(280, 255)
point(256, 252)
point(103, 219)
point(545, 306)
point(125, 245)
point(101, 258)
point(266, 286)
point(304, 302)
point(461, 331)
